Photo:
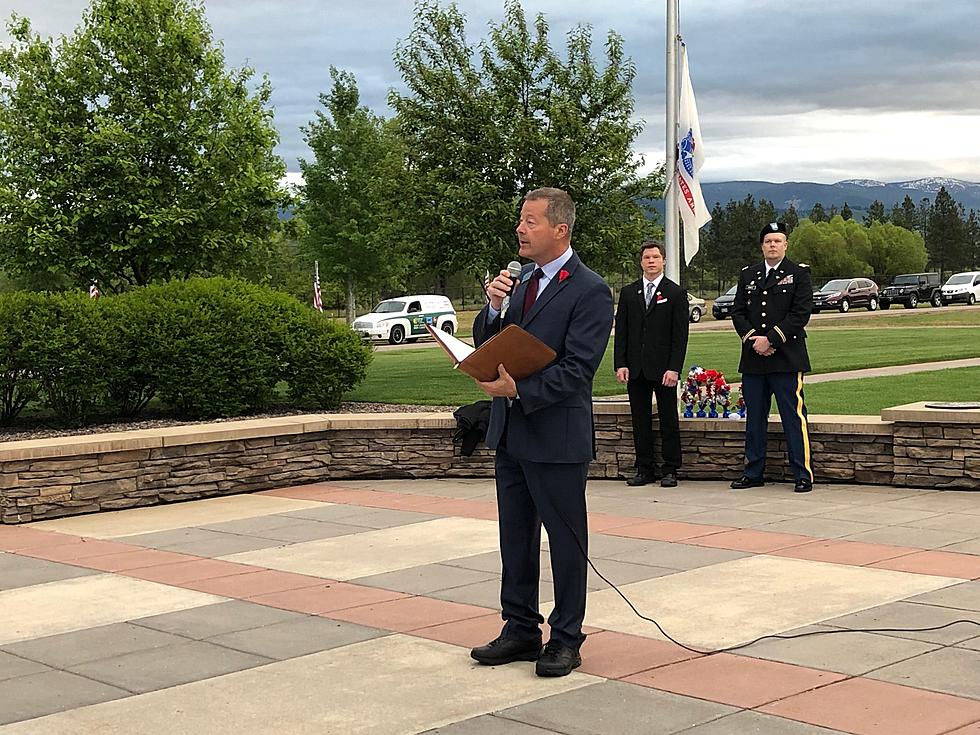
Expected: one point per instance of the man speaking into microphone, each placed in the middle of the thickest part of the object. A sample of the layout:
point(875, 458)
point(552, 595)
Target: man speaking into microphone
point(541, 428)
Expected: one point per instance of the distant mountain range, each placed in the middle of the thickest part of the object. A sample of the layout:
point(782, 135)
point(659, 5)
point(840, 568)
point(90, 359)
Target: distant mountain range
point(858, 193)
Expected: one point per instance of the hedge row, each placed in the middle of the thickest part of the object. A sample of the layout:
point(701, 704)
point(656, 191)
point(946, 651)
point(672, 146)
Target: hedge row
point(206, 347)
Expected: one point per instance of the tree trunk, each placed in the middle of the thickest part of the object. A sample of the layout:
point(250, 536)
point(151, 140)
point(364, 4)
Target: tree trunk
point(351, 304)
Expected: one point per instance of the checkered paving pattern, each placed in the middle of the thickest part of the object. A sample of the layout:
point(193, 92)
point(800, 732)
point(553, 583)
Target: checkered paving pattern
point(349, 607)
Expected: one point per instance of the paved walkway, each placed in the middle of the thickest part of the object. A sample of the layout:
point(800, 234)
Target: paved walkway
point(349, 607)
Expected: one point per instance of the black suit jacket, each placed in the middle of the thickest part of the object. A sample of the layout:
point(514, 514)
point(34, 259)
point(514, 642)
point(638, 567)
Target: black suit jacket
point(651, 340)
point(552, 419)
point(779, 309)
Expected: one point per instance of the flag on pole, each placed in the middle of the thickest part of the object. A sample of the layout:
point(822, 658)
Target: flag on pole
point(93, 290)
point(317, 301)
point(690, 157)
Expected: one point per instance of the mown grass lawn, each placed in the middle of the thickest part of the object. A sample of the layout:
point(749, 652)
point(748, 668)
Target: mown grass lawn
point(868, 396)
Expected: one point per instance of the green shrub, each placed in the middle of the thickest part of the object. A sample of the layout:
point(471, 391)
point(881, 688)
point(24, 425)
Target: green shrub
point(19, 384)
point(325, 361)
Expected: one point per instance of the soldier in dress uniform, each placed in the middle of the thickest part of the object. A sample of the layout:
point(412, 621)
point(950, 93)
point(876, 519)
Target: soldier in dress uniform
point(772, 305)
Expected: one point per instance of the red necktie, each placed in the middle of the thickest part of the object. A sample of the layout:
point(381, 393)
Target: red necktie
point(532, 290)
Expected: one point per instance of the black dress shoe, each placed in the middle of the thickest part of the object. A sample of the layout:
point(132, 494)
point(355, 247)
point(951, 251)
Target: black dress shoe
point(507, 650)
point(557, 659)
point(669, 480)
point(641, 479)
point(744, 482)
point(803, 486)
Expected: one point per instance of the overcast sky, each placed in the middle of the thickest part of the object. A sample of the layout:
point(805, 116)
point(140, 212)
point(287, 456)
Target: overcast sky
point(787, 89)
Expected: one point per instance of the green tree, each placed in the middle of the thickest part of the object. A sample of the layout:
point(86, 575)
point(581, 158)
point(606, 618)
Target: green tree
point(973, 240)
point(875, 213)
point(128, 152)
point(846, 212)
point(946, 233)
point(895, 250)
point(904, 214)
point(482, 126)
point(818, 213)
point(791, 217)
point(838, 248)
point(353, 177)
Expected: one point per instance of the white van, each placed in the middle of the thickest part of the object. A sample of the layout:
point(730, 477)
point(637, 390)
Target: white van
point(963, 287)
point(404, 319)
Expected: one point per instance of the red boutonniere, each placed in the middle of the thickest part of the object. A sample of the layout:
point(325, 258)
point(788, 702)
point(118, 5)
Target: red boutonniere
point(562, 275)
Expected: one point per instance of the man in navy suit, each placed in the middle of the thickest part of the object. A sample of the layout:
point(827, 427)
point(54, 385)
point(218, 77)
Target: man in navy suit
point(650, 345)
point(542, 430)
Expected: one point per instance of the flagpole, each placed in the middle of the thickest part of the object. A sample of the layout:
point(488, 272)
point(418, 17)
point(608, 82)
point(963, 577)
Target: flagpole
point(671, 234)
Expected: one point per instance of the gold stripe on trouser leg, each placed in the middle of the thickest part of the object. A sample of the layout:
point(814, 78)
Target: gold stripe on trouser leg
point(803, 425)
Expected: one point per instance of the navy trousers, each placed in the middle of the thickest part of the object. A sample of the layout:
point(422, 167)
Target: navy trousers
point(529, 494)
point(758, 390)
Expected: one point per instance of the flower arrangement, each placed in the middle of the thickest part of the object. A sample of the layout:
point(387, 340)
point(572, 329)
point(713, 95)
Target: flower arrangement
point(708, 389)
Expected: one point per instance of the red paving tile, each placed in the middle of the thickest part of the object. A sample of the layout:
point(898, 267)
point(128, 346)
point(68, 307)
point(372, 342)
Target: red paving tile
point(19, 538)
point(480, 509)
point(602, 522)
point(614, 655)
point(869, 707)
point(316, 491)
point(940, 563)
point(745, 539)
point(469, 633)
point(836, 551)
point(736, 680)
point(409, 614)
point(189, 571)
point(135, 560)
point(666, 530)
point(252, 584)
point(78, 552)
point(326, 598)
point(973, 729)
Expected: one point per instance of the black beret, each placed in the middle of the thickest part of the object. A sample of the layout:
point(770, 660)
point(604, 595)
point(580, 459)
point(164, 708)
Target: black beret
point(773, 227)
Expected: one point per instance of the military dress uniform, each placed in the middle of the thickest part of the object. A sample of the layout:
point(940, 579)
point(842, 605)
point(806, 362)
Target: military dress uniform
point(777, 307)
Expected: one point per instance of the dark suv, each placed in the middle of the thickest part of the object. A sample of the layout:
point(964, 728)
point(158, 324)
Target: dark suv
point(909, 289)
point(843, 293)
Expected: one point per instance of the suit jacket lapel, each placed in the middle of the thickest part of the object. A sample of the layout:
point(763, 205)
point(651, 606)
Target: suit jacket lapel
point(554, 286)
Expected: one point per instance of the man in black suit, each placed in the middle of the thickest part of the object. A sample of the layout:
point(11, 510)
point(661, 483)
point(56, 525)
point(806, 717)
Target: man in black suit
point(772, 306)
point(542, 430)
point(650, 345)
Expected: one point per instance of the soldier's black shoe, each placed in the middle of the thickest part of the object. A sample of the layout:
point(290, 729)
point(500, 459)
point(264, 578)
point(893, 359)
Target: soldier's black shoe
point(507, 650)
point(803, 486)
point(557, 659)
point(745, 482)
point(669, 480)
point(641, 478)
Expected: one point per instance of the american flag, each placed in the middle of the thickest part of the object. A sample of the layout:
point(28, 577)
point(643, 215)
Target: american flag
point(317, 300)
point(486, 286)
point(93, 290)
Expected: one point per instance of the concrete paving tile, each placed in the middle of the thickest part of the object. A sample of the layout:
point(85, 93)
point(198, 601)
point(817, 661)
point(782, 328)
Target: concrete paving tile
point(487, 562)
point(640, 509)
point(253, 526)
point(735, 518)
point(838, 551)
point(160, 668)
point(615, 655)
point(384, 517)
point(487, 594)
point(676, 556)
point(881, 514)
point(909, 536)
point(253, 584)
point(755, 541)
point(612, 708)
point(37, 695)
point(178, 515)
point(140, 559)
point(427, 578)
point(971, 546)
point(756, 723)
point(657, 530)
point(972, 644)
point(945, 501)
point(328, 597)
point(899, 615)
point(326, 513)
point(175, 537)
point(869, 707)
point(12, 667)
point(408, 614)
point(208, 621)
point(224, 544)
point(24, 571)
point(306, 530)
point(821, 527)
point(966, 566)
point(604, 546)
point(792, 506)
point(324, 693)
point(75, 604)
point(962, 522)
point(950, 670)
point(736, 680)
point(189, 571)
point(293, 638)
point(738, 601)
point(93, 644)
point(488, 725)
point(382, 550)
point(846, 652)
point(964, 596)
point(621, 572)
point(483, 509)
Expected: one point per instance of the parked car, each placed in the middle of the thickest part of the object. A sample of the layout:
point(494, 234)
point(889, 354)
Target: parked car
point(722, 306)
point(963, 287)
point(843, 293)
point(404, 319)
point(909, 289)
point(695, 308)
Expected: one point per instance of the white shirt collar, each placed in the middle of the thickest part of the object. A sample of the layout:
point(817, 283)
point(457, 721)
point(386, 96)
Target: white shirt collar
point(550, 270)
point(656, 282)
point(775, 267)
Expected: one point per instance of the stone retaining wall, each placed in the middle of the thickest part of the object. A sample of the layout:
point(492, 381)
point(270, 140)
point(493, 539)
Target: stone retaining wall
point(65, 476)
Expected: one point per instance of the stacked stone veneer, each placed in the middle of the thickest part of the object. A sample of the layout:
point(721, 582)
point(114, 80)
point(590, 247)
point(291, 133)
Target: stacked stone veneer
point(64, 476)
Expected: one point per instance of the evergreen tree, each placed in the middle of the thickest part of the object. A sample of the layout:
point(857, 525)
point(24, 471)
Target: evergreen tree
point(973, 240)
point(818, 214)
point(905, 214)
point(875, 213)
point(791, 217)
point(946, 234)
point(832, 212)
point(846, 212)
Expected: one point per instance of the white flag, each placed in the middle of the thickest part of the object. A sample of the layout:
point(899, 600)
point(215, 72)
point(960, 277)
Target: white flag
point(694, 212)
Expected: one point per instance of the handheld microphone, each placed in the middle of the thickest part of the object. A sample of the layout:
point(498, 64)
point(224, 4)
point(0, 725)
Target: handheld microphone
point(514, 268)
